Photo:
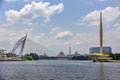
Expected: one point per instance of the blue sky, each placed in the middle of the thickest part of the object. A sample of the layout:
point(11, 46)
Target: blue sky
point(57, 24)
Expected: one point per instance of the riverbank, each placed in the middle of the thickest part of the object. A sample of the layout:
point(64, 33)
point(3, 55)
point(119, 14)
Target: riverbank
point(14, 60)
point(115, 61)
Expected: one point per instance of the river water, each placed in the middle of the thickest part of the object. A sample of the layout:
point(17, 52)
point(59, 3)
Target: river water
point(59, 70)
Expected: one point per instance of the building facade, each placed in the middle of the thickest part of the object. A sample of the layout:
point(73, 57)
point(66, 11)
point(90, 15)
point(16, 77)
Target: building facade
point(2, 54)
point(97, 50)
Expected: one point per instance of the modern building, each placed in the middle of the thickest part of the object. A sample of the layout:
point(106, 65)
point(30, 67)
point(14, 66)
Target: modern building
point(76, 54)
point(97, 50)
point(11, 56)
point(2, 54)
point(61, 54)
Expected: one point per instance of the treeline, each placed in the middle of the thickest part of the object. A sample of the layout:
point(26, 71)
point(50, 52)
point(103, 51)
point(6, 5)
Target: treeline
point(34, 56)
point(82, 57)
point(115, 56)
point(31, 56)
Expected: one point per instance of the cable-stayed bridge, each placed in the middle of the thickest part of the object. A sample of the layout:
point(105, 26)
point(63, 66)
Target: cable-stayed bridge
point(25, 45)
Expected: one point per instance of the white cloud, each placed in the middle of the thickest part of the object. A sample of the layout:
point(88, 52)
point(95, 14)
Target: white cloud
point(109, 14)
point(112, 38)
point(54, 30)
point(64, 35)
point(39, 37)
point(12, 35)
point(32, 11)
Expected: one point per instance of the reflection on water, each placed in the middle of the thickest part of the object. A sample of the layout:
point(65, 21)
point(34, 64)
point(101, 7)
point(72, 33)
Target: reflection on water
point(59, 70)
point(101, 72)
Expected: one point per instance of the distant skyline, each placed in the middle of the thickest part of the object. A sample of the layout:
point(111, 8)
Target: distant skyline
point(58, 24)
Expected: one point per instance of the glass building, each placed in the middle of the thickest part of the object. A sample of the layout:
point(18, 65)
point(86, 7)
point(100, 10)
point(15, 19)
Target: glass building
point(97, 50)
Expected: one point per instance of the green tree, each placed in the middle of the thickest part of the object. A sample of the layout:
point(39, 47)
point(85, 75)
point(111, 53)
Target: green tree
point(81, 58)
point(27, 57)
point(34, 56)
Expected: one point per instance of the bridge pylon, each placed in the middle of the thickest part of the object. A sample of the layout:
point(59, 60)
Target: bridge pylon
point(20, 43)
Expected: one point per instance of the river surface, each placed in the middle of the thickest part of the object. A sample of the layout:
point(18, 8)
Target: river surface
point(59, 70)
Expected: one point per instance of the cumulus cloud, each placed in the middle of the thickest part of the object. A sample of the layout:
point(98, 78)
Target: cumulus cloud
point(109, 14)
point(34, 10)
point(112, 37)
point(64, 35)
